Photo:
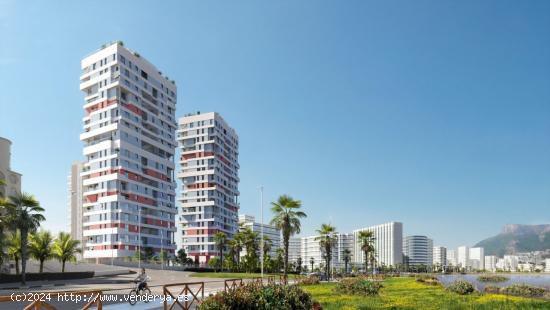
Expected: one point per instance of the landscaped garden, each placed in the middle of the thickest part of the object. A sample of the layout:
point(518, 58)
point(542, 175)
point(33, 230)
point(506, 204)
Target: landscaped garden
point(407, 293)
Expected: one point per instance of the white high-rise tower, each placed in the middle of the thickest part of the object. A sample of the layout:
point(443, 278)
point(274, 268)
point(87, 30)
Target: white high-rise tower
point(129, 142)
point(209, 173)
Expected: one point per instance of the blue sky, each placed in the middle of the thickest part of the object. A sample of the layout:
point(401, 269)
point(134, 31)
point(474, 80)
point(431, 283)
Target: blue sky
point(433, 113)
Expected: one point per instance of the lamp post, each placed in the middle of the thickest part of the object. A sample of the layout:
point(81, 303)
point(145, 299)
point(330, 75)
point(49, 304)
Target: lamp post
point(262, 231)
point(139, 237)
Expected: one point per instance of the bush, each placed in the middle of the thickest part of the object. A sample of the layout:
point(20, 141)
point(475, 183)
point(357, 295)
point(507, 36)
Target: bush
point(256, 296)
point(492, 289)
point(523, 290)
point(358, 286)
point(427, 279)
point(492, 278)
point(311, 280)
point(461, 287)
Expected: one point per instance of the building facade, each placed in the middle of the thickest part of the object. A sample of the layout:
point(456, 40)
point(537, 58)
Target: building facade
point(209, 173)
point(270, 232)
point(74, 184)
point(463, 257)
point(294, 250)
point(129, 142)
point(11, 178)
point(452, 259)
point(439, 256)
point(491, 263)
point(388, 244)
point(477, 258)
point(418, 250)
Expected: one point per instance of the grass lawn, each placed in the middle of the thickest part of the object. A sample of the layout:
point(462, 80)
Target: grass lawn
point(406, 293)
point(234, 275)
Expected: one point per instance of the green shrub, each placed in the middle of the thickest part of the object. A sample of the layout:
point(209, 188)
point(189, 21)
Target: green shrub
point(492, 278)
point(427, 279)
point(311, 280)
point(523, 290)
point(256, 296)
point(358, 286)
point(461, 287)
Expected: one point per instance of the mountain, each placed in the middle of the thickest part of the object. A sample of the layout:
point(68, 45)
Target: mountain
point(516, 238)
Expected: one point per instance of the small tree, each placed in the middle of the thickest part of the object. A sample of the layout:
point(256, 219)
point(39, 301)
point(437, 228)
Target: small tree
point(327, 241)
point(40, 247)
point(181, 257)
point(299, 265)
point(311, 262)
point(65, 249)
point(148, 253)
point(366, 241)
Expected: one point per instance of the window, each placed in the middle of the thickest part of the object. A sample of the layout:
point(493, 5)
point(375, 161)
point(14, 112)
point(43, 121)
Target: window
point(144, 74)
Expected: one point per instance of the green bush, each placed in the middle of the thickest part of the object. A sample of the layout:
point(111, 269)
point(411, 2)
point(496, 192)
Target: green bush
point(358, 286)
point(427, 279)
point(461, 287)
point(256, 296)
point(492, 278)
point(523, 290)
point(311, 280)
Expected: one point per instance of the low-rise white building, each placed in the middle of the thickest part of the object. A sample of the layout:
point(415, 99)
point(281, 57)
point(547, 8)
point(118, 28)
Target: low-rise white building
point(271, 232)
point(294, 250)
point(388, 244)
point(491, 263)
point(463, 257)
point(451, 258)
point(439, 256)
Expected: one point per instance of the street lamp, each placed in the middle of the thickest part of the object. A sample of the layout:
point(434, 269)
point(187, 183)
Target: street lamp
point(139, 237)
point(262, 230)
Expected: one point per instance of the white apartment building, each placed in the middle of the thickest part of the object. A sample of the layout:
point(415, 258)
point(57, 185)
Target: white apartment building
point(129, 142)
point(310, 248)
point(511, 263)
point(418, 250)
point(439, 256)
point(491, 263)
point(209, 173)
point(269, 231)
point(388, 244)
point(294, 250)
point(452, 259)
point(11, 178)
point(547, 264)
point(74, 183)
point(477, 258)
point(463, 257)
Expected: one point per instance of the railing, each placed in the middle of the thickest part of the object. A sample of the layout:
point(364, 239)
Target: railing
point(190, 293)
point(232, 284)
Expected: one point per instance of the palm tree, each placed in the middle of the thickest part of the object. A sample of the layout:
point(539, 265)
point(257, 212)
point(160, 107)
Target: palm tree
point(65, 249)
point(366, 241)
point(287, 219)
point(220, 239)
point(14, 249)
point(24, 213)
point(231, 244)
point(267, 246)
point(251, 244)
point(237, 245)
point(347, 259)
point(311, 261)
point(327, 241)
point(40, 247)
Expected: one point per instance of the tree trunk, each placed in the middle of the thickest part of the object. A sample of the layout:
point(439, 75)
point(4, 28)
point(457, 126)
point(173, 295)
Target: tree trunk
point(63, 266)
point(16, 265)
point(41, 265)
point(366, 262)
point(24, 235)
point(286, 240)
point(221, 259)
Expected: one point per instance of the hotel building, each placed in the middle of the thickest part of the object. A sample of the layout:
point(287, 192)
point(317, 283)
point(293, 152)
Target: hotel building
point(209, 174)
point(129, 142)
point(418, 250)
point(388, 244)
